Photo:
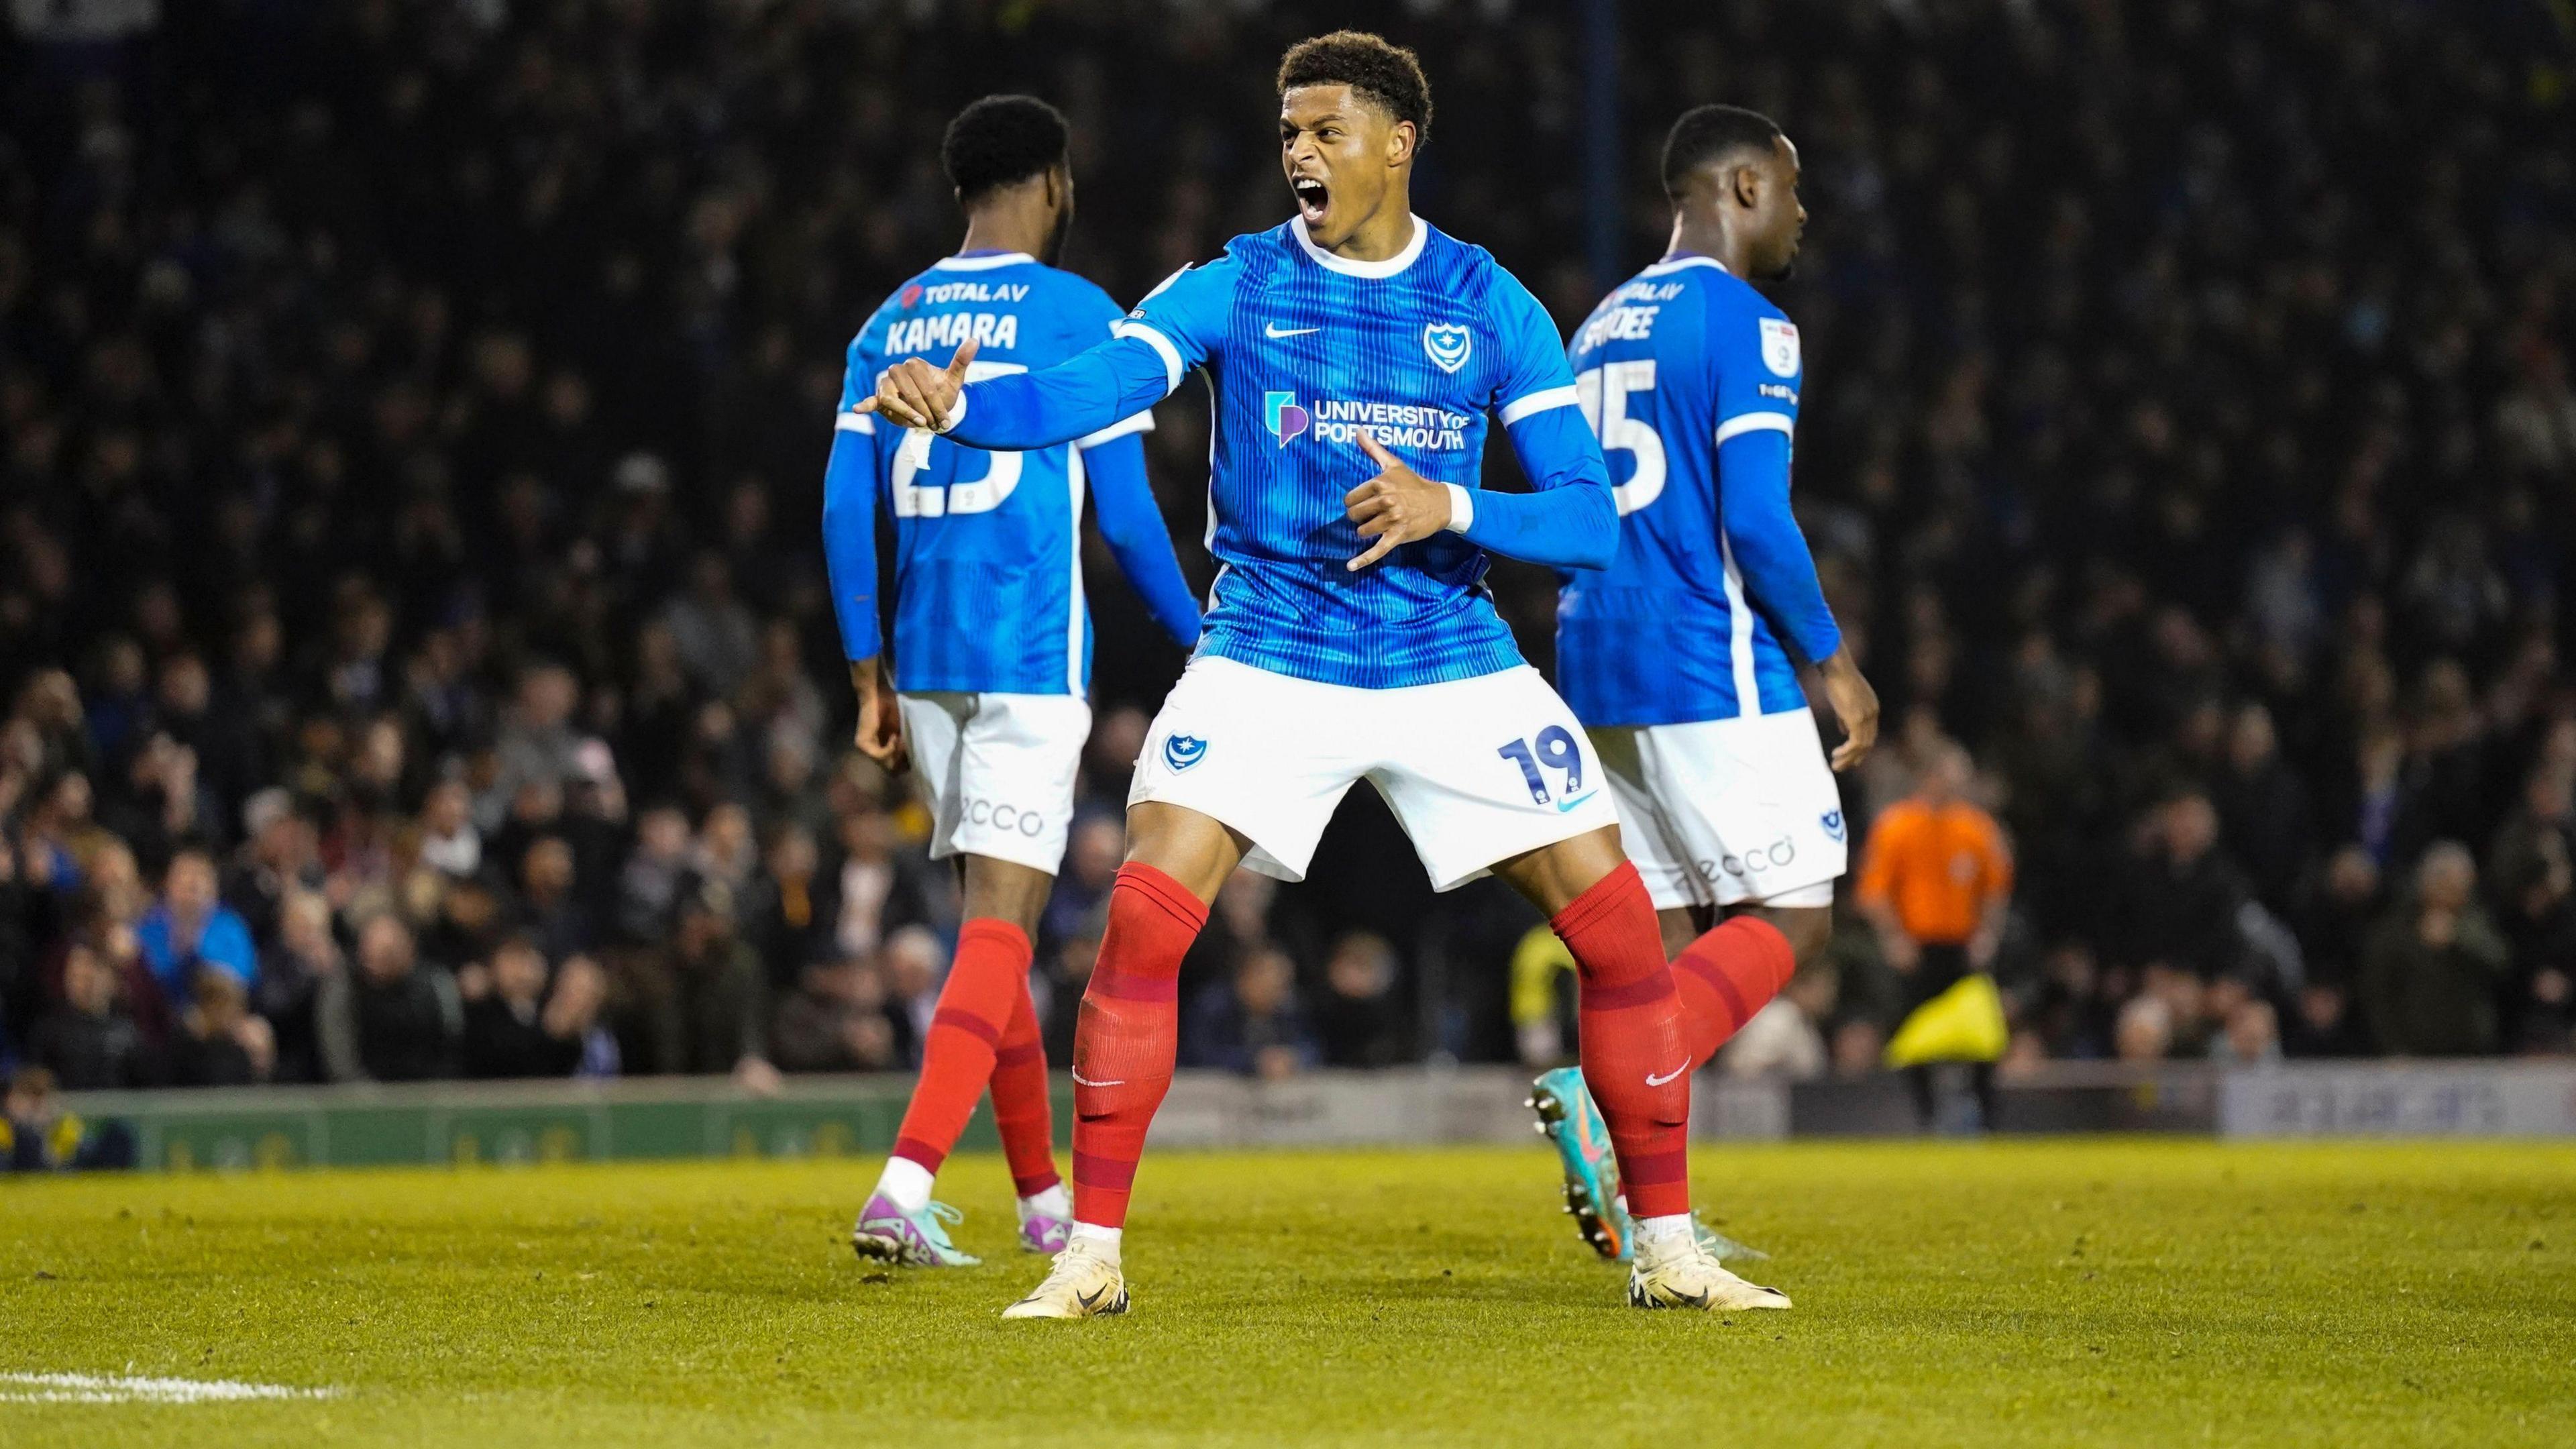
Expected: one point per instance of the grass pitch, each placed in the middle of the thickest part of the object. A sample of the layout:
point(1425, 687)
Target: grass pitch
point(2047, 1293)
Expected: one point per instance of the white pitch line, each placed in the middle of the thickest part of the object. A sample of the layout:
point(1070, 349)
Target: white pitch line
point(20, 1388)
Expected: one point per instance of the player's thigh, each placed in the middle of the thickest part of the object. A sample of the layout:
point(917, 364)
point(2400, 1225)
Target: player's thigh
point(1005, 890)
point(1262, 754)
point(1487, 769)
point(1755, 806)
point(1652, 837)
point(934, 731)
point(1017, 757)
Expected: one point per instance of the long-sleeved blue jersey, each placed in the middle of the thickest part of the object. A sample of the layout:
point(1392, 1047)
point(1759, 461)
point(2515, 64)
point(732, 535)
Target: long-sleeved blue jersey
point(1691, 379)
point(988, 557)
point(1303, 350)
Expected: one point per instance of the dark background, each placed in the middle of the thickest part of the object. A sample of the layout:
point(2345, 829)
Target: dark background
point(2187, 419)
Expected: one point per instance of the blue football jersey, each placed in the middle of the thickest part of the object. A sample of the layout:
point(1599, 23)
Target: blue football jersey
point(1304, 349)
point(1669, 368)
point(987, 556)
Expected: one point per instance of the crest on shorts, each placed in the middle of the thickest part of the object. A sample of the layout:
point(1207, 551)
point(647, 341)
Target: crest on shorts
point(1448, 344)
point(1833, 823)
point(1182, 751)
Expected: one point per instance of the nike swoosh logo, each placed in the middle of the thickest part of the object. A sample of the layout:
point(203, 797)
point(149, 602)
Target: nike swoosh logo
point(1655, 1081)
point(1564, 805)
point(1080, 1080)
point(1277, 331)
point(1091, 1300)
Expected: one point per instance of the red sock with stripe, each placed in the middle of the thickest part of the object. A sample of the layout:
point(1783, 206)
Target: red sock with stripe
point(1725, 977)
point(1128, 1036)
point(1634, 1059)
point(1021, 1105)
point(990, 977)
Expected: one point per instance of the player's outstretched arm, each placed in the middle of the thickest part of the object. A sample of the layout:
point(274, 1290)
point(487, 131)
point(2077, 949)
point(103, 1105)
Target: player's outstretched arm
point(1122, 497)
point(1780, 578)
point(1075, 398)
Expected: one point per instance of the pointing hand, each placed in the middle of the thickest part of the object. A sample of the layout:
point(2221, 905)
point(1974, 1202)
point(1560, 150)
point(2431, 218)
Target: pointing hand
point(914, 394)
point(1397, 506)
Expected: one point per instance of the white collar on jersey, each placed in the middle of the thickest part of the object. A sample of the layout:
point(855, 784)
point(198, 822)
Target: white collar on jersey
point(982, 263)
point(1675, 264)
point(1350, 268)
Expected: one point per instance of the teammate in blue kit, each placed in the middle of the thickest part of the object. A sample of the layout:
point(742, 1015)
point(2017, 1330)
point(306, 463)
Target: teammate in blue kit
point(1356, 357)
point(985, 698)
point(1682, 657)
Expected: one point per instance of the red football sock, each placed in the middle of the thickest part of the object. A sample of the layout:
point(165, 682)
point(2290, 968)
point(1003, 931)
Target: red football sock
point(1021, 1107)
point(1633, 1056)
point(1725, 977)
point(1128, 1035)
point(991, 974)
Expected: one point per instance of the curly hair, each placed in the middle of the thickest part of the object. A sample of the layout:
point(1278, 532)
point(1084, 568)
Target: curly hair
point(1000, 140)
point(1389, 75)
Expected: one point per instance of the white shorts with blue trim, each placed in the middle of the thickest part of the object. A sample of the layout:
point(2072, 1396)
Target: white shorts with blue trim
point(1718, 812)
point(1476, 770)
point(998, 769)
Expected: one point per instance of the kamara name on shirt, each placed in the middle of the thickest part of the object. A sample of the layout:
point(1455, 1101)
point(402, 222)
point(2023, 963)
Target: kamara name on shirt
point(947, 329)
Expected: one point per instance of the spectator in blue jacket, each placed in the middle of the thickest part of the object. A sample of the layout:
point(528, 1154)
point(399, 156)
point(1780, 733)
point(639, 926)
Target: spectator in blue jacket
point(192, 927)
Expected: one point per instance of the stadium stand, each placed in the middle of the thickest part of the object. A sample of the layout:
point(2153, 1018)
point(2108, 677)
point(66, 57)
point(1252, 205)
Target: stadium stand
point(412, 640)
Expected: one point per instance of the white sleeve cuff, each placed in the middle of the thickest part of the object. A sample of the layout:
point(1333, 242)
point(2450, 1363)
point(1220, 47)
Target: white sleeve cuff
point(856, 423)
point(1462, 508)
point(956, 414)
point(1742, 423)
point(1136, 422)
point(1163, 348)
point(1539, 402)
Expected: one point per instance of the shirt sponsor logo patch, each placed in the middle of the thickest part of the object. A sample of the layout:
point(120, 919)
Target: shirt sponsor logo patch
point(1780, 346)
point(1287, 420)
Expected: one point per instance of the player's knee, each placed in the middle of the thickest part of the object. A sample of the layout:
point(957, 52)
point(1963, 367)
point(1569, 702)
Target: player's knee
point(1808, 928)
point(1199, 851)
point(1004, 890)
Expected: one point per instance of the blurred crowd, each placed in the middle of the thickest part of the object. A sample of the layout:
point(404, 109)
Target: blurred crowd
point(413, 644)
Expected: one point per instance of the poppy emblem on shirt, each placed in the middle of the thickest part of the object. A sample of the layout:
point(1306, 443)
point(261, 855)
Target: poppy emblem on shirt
point(1448, 345)
point(910, 297)
point(1182, 751)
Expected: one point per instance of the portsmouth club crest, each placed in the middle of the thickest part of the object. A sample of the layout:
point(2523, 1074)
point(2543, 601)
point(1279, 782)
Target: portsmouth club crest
point(1182, 751)
point(1448, 345)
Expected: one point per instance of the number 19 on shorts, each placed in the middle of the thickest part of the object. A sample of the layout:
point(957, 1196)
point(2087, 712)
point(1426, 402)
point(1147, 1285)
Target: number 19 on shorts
point(1554, 748)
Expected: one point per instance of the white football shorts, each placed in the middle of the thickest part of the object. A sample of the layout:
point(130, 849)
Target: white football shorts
point(1723, 811)
point(998, 769)
point(1476, 770)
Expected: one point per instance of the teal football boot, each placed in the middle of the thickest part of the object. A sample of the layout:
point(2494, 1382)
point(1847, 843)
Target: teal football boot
point(1567, 1117)
point(888, 1234)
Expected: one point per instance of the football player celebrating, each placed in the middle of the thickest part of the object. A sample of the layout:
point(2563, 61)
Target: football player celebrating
point(1356, 357)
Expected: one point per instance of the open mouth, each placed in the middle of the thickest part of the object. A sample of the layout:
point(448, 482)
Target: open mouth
point(1313, 200)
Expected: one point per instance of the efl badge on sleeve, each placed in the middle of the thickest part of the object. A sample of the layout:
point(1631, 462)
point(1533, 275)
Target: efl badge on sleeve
point(1780, 346)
